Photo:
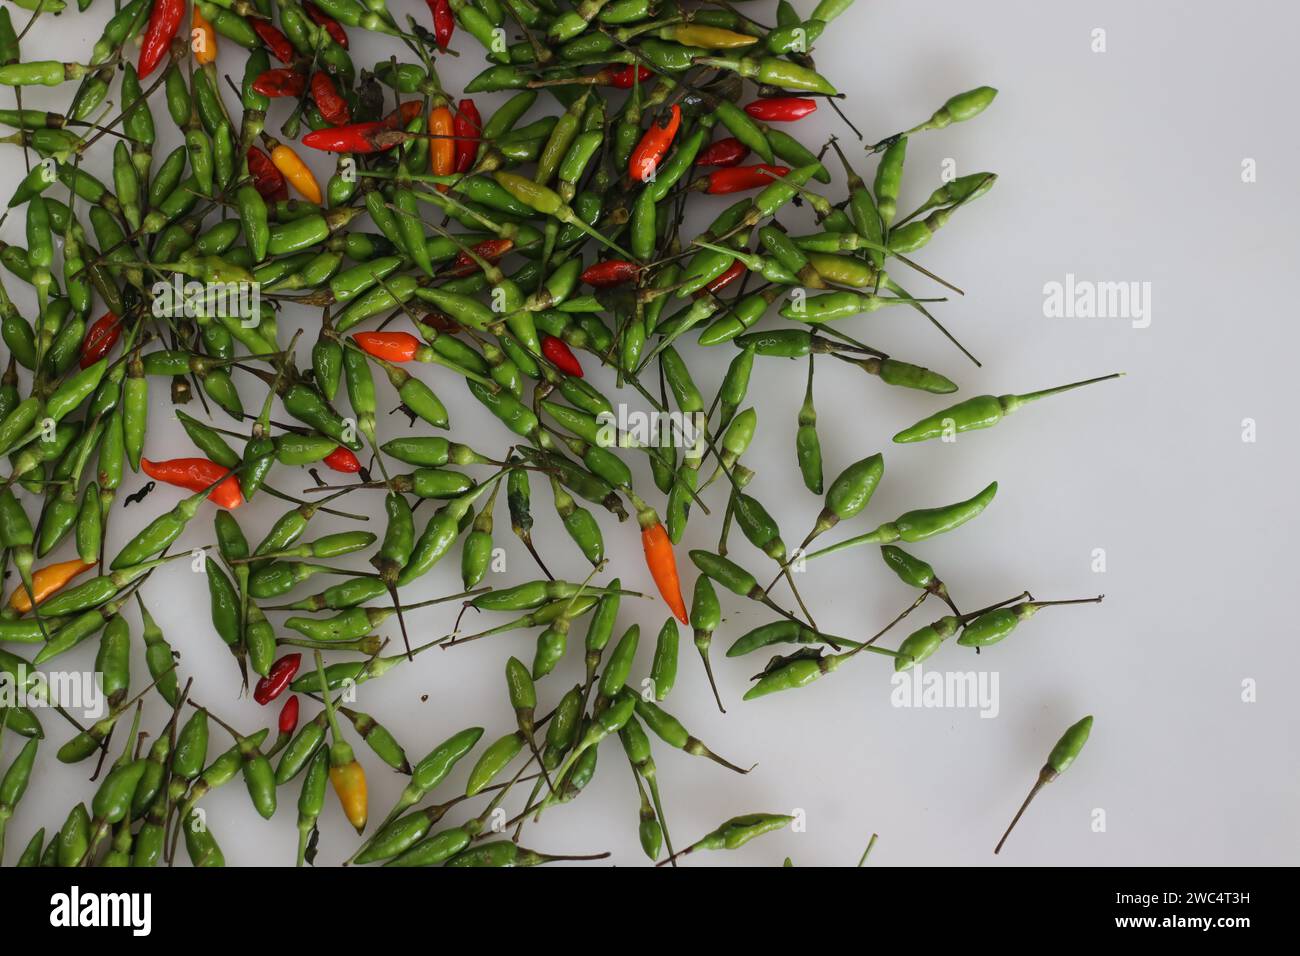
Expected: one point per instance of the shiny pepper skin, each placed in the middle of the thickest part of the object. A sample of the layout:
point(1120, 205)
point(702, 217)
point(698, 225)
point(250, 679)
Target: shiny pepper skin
point(343, 460)
point(444, 22)
point(610, 273)
point(327, 99)
point(725, 152)
point(654, 144)
point(276, 43)
point(196, 474)
point(389, 346)
point(164, 21)
point(349, 782)
point(273, 684)
point(468, 127)
point(328, 23)
point(100, 339)
point(781, 109)
point(736, 179)
point(558, 354)
point(490, 249)
point(625, 77)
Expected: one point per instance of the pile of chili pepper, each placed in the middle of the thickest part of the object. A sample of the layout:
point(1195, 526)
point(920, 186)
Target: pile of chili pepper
point(453, 250)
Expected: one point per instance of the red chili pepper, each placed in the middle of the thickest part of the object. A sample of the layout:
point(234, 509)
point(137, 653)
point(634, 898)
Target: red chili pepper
point(342, 459)
point(280, 82)
point(100, 339)
point(326, 96)
point(739, 178)
point(609, 273)
point(276, 43)
point(374, 137)
point(649, 153)
point(734, 272)
point(196, 474)
point(267, 179)
point(489, 249)
point(277, 679)
point(558, 354)
point(389, 346)
point(288, 722)
point(725, 152)
point(781, 109)
point(401, 117)
point(164, 20)
point(467, 126)
point(625, 77)
point(444, 22)
point(332, 26)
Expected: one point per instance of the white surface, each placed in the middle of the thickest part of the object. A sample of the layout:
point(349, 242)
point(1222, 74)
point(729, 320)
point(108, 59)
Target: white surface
point(1115, 166)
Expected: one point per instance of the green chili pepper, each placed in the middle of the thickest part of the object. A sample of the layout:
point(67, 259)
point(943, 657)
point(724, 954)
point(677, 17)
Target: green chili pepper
point(1062, 755)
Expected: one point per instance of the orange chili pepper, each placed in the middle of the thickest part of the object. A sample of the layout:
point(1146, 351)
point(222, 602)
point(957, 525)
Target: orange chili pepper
point(389, 346)
point(661, 561)
point(649, 153)
point(349, 780)
point(294, 170)
point(203, 38)
point(196, 474)
point(47, 581)
point(442, 145)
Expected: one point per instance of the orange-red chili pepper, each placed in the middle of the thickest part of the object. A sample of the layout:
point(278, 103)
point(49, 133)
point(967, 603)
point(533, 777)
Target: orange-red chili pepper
point(624, 77)
point(288, 721)
point(196, 474)
point(609, 273)
point(164, 20)
point(489, 249)
point(444, 22)
point(204, 45)
point(267, 180)
point(558, 354)
point(326, 97)
point(373, 137)
point(649, 153)
point(280, 81)
point(389, 346)
point(295, 170)
point(330, 25)
point(739, 178)
point(100, 339)
point(402, 116)
point(468, 127)
point(725, 152)
point(46, 582)
point(781, 109)
point(661, 561)
point(442, 147)
point(282, 672)
point(342, 459)
point(276, 43)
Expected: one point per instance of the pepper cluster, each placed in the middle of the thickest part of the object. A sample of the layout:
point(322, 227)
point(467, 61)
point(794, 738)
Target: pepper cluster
point(502, 249)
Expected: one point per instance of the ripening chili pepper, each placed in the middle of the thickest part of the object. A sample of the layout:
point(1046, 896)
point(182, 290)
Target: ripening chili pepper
point(273, 684)
point(326, 97)
point(295, 170)
point(164, 21)
point(609, 273)
point(288, 721)
point(328, 23)
point(650, 151)
point(389, 346)
point(344, 460)
point(196, 474)
point(732, 273)
point(444, 22)
point(558, 354)
point(781, 109)
point(276, 43)
point(100, 339)
point(467, 126)
point(203, 38)
point(725, 152)
point(442, 147)
point(490, 249)
point(267, 180)
point(46, 582)
point(280, 82)
point(625, 77)
point(722, 182)
point(660, 559)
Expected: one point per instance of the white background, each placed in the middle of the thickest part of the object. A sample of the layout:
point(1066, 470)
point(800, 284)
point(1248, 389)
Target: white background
point(1117, 166)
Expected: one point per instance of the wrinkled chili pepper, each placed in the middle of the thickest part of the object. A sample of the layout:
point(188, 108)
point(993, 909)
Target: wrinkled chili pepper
point(558, 354)
point(330, 25)
point(274, 683)
point(609, 273)
point(652, 148)
point(781, 109)
point(344, 460)
point(164, 21)
point(725, 152)
point(326, 97)
point(276, 43)
point(280, 81)
point(267, 180)
point(490, 249)
point(389, 346)
point(739, 178)
point(196, 474)
point(100, 339)
point(444, 22)
point(468, 127)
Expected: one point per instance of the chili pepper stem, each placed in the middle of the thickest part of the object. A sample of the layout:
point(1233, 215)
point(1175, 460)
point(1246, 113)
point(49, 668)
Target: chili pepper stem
point(1045, 776)
point(867, 852)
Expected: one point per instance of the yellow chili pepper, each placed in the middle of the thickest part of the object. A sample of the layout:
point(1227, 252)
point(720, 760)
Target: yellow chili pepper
point(46, 582)
point(442, 148)
point(296, 172)
point(203, 38)
point(710, 38)
point(349, 780)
